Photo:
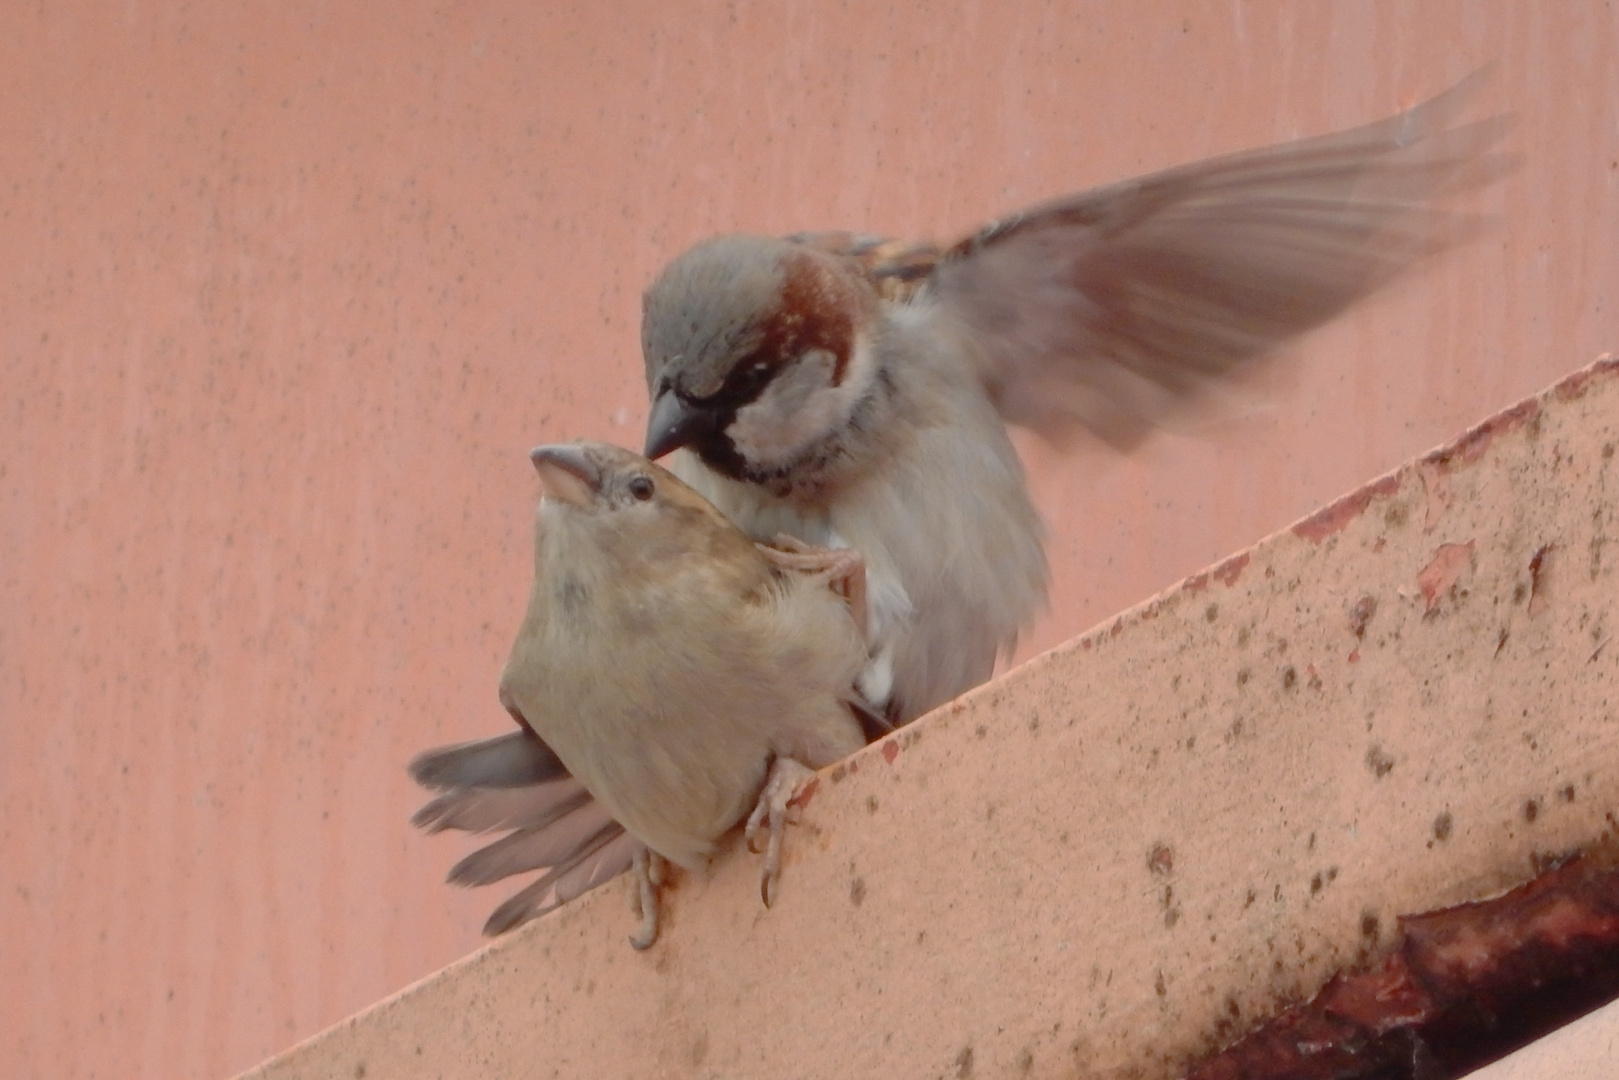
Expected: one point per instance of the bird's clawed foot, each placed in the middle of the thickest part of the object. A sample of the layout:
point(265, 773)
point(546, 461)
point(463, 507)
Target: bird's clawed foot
point(843, 568)
point(650, 870)
point(786, 781)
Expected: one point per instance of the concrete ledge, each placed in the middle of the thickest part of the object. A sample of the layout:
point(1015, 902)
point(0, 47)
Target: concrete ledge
point(1127, 851)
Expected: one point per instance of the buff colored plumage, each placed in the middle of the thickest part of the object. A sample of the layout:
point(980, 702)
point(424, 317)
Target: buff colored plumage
point(669, 677)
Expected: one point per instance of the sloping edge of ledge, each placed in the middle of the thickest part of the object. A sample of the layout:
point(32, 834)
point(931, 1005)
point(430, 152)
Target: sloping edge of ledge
point(1125, 853)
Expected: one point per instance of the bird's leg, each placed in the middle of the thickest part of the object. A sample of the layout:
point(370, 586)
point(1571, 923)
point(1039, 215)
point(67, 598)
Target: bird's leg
point(775, 809)
point(650, 870)
point(844, 569)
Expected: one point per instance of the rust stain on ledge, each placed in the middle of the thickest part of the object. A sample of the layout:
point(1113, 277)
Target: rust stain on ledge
point(1540, 574)
point(1334, 517)
point(1360, 615)
point(1457, 989)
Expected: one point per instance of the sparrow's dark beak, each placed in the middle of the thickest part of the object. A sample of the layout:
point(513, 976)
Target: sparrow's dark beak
point(566, 473)
point(674, 424)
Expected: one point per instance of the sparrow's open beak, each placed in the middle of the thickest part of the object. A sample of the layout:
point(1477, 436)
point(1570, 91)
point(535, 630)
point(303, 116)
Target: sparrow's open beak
point(674, 424)
point(566, 473)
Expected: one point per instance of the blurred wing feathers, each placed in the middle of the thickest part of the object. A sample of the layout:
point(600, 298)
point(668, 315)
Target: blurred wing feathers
point(1114, 308)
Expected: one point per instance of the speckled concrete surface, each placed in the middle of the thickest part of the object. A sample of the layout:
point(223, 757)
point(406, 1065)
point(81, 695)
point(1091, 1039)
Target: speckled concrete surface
point(1127, 850)
point(290, 289)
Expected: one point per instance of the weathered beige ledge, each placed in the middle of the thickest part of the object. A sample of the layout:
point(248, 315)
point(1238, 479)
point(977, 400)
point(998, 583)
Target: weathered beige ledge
point(1133, 847)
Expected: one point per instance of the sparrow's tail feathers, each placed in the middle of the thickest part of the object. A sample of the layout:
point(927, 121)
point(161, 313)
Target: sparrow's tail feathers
point(607, 854)
point(488, 809)
point(513, 760)
point(514, 782)
point(539, 847)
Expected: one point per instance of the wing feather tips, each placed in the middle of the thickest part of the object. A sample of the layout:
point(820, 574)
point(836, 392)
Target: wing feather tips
point(1118, 309)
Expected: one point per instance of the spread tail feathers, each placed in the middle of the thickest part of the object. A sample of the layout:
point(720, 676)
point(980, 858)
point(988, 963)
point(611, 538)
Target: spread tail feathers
point(608, 854)
point(506, 761)
point(514, 783)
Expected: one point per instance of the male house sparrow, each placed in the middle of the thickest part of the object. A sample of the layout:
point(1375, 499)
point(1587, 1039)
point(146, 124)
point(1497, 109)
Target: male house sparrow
point(854, 392)
point(669, 676)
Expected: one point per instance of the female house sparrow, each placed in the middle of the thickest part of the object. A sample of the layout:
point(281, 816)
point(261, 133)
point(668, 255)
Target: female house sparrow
point(854, 392)
point(669, 676)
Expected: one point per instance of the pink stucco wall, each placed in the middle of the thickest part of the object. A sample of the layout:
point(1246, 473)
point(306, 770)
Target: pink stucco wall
point(289, 289)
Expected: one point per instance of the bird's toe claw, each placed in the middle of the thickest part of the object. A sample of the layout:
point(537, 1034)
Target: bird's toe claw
point(771, 816)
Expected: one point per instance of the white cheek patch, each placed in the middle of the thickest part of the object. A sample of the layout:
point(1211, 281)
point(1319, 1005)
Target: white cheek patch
point(799, 408)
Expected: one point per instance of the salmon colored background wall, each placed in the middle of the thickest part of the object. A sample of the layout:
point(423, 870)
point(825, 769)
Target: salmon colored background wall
point(289, 289)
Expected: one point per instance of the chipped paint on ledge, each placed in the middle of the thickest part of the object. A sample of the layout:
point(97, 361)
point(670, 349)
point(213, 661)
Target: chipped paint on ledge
point(1574, 387)
point(1332, 518)
point(1432, 469)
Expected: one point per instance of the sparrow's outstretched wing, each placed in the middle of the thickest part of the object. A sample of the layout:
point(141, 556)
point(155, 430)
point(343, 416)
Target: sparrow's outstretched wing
point(1116, 307)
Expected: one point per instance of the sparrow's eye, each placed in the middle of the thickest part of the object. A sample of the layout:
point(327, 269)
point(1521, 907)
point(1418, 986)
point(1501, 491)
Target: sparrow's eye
point(752, 375)
point(641, 487)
